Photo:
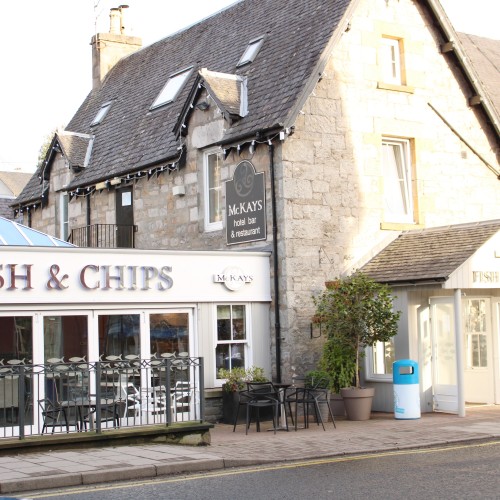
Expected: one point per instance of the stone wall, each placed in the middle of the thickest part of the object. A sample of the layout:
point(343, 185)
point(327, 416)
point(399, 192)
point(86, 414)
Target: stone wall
point(331, 191)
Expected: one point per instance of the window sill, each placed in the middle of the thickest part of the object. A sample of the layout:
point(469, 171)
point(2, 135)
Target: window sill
point(386, 379)
point(399, 226)
point(396, 88)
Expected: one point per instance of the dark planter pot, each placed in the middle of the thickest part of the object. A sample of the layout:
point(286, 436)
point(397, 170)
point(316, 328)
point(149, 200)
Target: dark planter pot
point(358, 402)
point(230, 402)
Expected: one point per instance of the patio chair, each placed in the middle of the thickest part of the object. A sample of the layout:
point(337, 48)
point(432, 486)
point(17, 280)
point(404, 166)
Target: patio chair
point(54, 415)
point(181, 395)
point(261, 395)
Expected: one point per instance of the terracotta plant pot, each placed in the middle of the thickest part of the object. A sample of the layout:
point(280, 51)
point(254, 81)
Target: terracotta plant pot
point(358, 402)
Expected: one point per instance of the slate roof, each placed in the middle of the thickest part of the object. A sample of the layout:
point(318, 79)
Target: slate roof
point(429, 255)
point(484, 55)
point(131, 137)
point(298, 35)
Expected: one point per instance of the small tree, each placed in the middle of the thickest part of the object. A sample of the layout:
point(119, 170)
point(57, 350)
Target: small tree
point(357, 312)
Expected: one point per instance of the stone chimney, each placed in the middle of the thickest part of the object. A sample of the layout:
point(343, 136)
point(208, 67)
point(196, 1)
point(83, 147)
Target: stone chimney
point(109, 48)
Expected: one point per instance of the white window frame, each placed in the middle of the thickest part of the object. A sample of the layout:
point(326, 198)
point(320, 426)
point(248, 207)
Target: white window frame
point(63, 215)
point(390, 59)
point(218, 382)
point(213, 222)
point(370, 362)
point(482, 334)
point(251, 51)
point(171, 89)
point(101, 114)
point(397, 174)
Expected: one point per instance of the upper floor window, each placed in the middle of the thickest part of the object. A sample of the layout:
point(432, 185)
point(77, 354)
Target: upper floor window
point(103, 111)
point(172, 88)
point(397, 177)
point(251, 51)
point(391, 61)
point(213, 190)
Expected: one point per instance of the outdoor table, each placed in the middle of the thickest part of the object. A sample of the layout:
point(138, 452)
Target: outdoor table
point(89, 404)
point(281, 392)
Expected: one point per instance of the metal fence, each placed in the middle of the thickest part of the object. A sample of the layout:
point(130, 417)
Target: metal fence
point(81, 396)
point(104, 236)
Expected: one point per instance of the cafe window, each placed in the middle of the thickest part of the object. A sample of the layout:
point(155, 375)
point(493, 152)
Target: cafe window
point(119, 334)
point(16, 340)
point(169, 333)
point(64, 337)
point(232, 337)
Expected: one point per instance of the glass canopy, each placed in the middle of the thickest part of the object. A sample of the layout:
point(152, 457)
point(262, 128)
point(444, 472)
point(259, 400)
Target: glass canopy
point(14, 234)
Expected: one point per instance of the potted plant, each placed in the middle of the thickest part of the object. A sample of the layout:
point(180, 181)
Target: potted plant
point(235, 381)
point(338, 361)
point(357, 312)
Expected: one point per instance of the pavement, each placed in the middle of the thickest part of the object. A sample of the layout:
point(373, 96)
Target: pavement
point(382, 433)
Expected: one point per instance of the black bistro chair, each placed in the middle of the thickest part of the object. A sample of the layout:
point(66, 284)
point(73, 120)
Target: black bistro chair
point(54, 415)
point(312, 396)
point(260, 395)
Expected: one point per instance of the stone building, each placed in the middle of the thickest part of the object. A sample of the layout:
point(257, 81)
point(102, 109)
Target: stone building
point(316, 131)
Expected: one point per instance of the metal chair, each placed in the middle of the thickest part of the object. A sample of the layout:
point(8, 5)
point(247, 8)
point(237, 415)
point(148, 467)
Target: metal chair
point(261, 395)
point(53, 415)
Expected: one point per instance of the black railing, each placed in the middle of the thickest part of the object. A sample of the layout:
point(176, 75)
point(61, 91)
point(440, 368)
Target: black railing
point(78, 396)
point(104, 236)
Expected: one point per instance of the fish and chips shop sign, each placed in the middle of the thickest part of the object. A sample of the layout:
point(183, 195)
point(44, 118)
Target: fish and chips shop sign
point(77, 275)
point(245, 205)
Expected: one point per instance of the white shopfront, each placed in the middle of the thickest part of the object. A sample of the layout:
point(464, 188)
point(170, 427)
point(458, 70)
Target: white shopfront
point(79, 302)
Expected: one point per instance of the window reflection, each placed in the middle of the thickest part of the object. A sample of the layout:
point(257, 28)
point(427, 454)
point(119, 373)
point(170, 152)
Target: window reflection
point(119, 334)
point(169, 333)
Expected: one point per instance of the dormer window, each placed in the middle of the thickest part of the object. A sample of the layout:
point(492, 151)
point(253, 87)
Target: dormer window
point(103, 111)
point(172, 88)
point(251, 51)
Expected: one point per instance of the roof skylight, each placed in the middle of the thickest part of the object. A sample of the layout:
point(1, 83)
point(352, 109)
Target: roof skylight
point(103, 111)
point(251, 51)
point(172, 88)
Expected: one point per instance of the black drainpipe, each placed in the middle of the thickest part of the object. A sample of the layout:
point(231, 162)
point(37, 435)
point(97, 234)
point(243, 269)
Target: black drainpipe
point(277, 324)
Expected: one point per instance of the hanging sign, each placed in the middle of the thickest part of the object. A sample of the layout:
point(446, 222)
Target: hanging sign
point(245, 205)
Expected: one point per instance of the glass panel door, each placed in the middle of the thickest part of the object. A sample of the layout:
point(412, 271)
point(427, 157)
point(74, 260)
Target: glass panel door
point(444, 366)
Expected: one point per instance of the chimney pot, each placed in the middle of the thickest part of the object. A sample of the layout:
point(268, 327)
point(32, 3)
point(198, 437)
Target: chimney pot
point(123, 19)
point(114, 21)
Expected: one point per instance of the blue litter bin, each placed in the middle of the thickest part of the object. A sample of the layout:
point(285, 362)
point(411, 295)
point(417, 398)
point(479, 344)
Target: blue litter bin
point(406, 389)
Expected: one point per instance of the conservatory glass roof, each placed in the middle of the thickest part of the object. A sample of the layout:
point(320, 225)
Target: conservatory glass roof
point(14, 234)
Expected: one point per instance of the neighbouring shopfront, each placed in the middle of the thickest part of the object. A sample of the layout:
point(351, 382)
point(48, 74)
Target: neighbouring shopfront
point(447, 284)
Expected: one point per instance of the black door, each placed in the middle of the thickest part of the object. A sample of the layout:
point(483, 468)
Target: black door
point(124, 218)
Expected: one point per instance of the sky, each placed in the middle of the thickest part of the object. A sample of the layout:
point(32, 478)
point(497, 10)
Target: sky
point(46, 61)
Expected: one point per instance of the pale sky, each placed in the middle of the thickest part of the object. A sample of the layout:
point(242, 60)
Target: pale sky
point(45, 56)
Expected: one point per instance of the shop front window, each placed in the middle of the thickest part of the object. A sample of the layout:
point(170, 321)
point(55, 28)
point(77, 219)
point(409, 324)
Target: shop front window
point(382, 358)
point(169, 333)
point(16, 340)
point(16, 348)
point(119, 334)
point(476, 333)
point(230, 351)
point(64, 337)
